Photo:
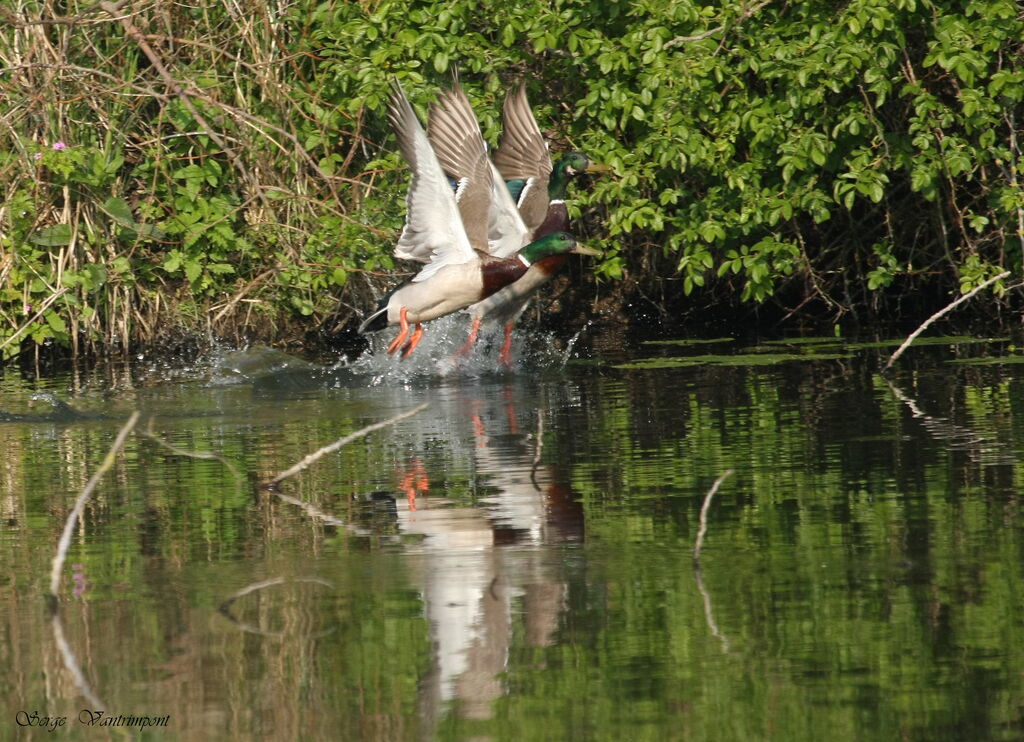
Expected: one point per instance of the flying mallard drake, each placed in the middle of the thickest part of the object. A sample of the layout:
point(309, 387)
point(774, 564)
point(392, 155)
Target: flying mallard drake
point(524, 161)
point(448, 232)
point(539, 188)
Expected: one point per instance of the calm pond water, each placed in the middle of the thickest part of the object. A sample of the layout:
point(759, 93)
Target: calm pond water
point(515, 562)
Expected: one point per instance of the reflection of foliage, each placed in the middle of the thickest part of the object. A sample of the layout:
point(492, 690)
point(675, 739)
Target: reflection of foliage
point(861, 582)
point(865, 572)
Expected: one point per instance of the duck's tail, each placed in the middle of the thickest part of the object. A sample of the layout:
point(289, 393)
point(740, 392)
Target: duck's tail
point(376, 321)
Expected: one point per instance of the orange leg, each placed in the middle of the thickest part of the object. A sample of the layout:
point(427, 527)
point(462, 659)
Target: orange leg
point(473, 332)
point(505, 355)
point(403, 320)
point(417, 335)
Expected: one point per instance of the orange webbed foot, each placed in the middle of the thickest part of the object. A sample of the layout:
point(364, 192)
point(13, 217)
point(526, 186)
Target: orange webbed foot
point(403, 321)
point(414, 340)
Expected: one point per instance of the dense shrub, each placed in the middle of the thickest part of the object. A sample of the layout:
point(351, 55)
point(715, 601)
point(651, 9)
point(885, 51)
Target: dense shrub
point(229, 169)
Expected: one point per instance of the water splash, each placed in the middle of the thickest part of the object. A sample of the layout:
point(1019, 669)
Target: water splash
point(256, 362)
point(438, 354)
point(567, 354)
point(436, 357)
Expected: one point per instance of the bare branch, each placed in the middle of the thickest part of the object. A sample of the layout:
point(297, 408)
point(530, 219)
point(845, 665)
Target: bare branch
point(704, 514)
point(148, 433)
point(76, 512)
point(945, 310)
point(320, 453)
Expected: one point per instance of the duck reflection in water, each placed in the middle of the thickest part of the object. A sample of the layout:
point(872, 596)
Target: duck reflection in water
point(413, 481)
point(482, 567)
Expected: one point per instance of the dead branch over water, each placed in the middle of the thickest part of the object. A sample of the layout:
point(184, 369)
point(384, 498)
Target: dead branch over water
point(76, 512)
point(71, 662)
point(314, 512)
point(956, 437)
point(148, 433)
point(946, 309)
point(709, 614)
point(225, 607)
point(67, 654)
point(704, 514)
point(330, 448)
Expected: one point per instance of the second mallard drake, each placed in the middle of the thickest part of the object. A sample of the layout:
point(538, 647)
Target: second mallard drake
point(524, 161)
point(539, 188)
point(448, 232)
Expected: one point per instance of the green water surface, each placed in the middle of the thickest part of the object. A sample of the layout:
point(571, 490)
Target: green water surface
point(515, 562)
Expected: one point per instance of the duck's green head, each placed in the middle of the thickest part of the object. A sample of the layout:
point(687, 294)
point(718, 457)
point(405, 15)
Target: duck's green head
point(568, 167)
point(559, 243)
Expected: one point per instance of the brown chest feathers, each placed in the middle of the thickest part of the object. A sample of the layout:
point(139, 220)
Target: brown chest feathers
point(498, 274)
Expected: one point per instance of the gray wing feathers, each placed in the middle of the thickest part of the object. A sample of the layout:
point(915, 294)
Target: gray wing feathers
point(433, 232)
point(523, 155)
point(455, 134)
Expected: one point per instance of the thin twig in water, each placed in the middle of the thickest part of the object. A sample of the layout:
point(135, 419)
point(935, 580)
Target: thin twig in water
point(225, 607)
point(148, 433)
point(316, 455)
point(709, 613)
point(957, 437)
point(76, 512)
point(949, 307)
point(704, 514)
point(315, 512)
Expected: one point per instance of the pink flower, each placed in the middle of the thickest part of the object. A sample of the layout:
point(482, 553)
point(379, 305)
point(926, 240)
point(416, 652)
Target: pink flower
point(59, 146)
point(79, 579)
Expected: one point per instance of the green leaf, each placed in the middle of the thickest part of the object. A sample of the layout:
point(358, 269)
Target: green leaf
point(193, 269)
point(58, 235)
point(55, 321)
point(149, 231)
point(172, 263)
point(119, 210)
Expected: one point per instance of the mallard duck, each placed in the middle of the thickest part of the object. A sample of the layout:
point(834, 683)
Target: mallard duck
point(539, 188)
point(524, 161)
point(448, 232)
point(455, 136)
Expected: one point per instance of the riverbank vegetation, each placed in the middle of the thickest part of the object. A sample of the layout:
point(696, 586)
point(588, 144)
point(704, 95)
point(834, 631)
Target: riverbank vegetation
point(225, 170)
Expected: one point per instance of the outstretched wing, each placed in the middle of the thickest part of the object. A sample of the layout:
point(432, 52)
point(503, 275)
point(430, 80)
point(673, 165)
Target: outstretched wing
point(455, 134)
point(523, 156)
point(433, 231)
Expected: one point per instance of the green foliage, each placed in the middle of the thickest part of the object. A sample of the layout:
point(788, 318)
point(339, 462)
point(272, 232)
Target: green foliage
point(133, 209)
point(754, 145)
point(760, 150)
